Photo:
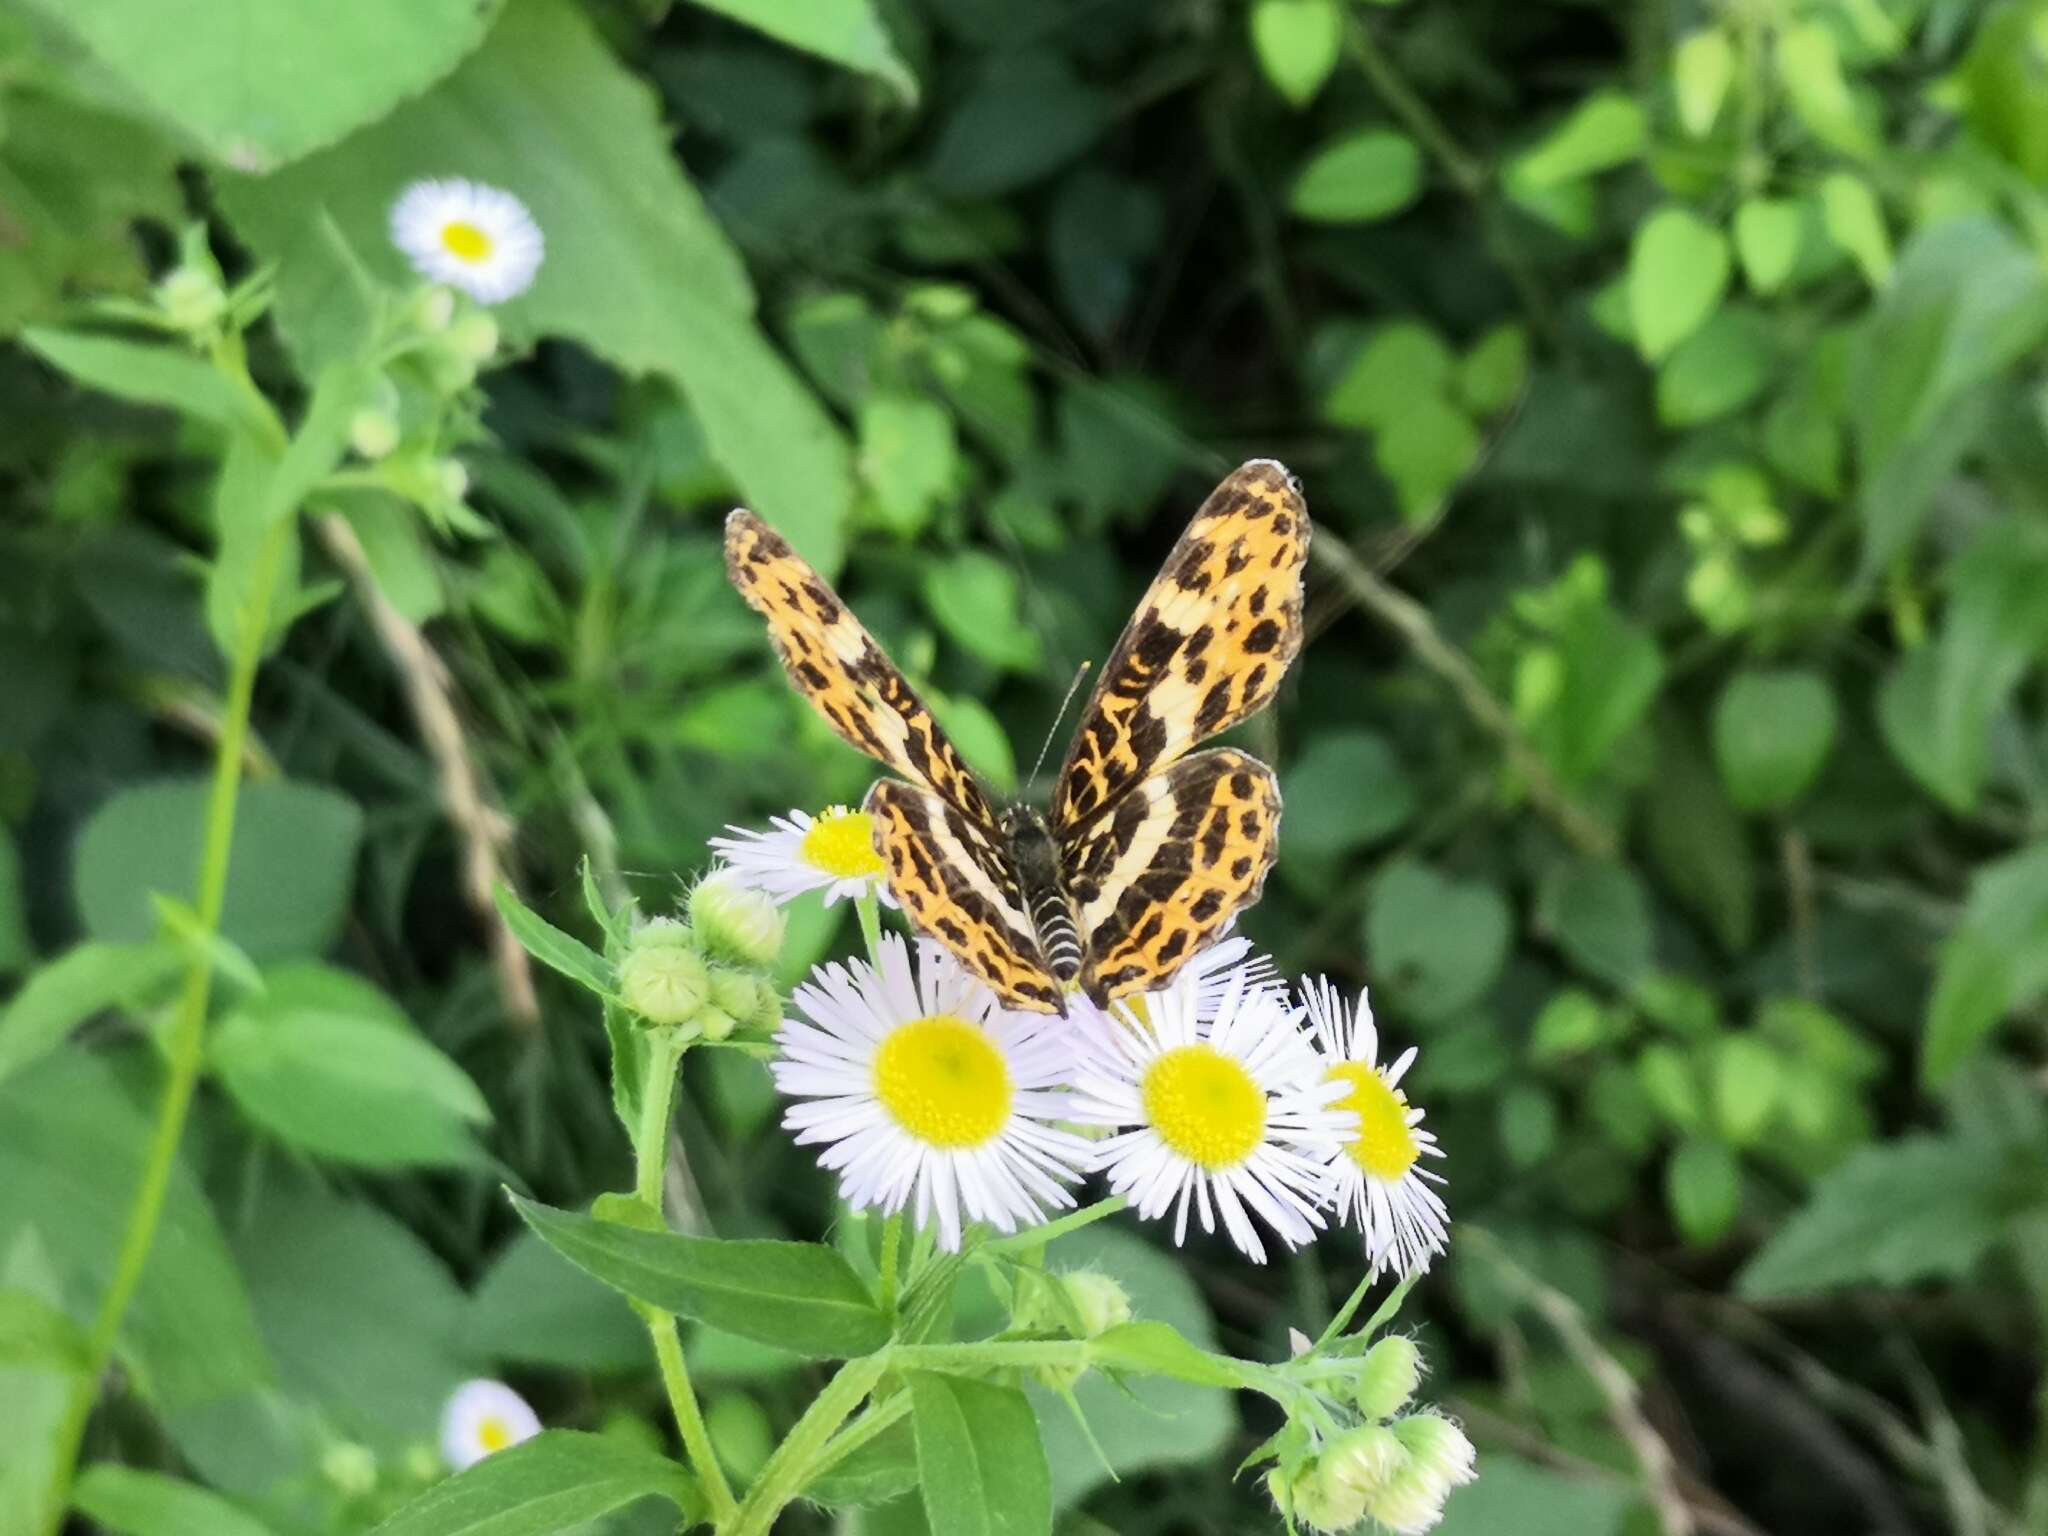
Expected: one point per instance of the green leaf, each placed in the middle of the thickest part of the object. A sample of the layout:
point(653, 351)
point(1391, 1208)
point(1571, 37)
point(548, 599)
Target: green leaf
point(1677, 272)
point(553, 948)
point(1767, 234)
point(136, 1503)
point(848, 32)
point(255, 83)
point(1358, 179)
point(1853, 221)
point(1494, 372)
point(1703, 1185)
point(1603, 131)
point(535, 1308)
point(1297, 43)
point(1919, 1208)
point(1720, 368)
point(908, 456)
point(362, 1319)
point(80, 983)
point(556, 1481)
point(1810, 65)
point(883, 1469)
point(289, 879)
point(73, 1143)
point(1514, 1495)
point(1967, 301)
point(979, 1458)
point(1434, 943)
point(1025, 114)
point(1426, 453)
point(1160, 1349)
point(1938, 707)
point(1696, 840)
point(1702, 69)
point(1400, 361)
point(1995, 961)
point(1346, 791)
point(802, 1297)
point(35, 1394)
point(157, 375)
point(1773, 731)
point(346, 1077)
point(637, 270)
point(2002, 96)
point(1528, 1125)
point(36, 1334)
point(1747, 1073)
point(975, 598)
point(1599, 914)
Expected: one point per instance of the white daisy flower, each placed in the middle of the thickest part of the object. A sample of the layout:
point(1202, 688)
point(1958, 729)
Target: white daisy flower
point(482, 1417)
point(1225, 1107)
point(470, 236)
point(833, 853)
point(1380, 1185)
point(929, 1094)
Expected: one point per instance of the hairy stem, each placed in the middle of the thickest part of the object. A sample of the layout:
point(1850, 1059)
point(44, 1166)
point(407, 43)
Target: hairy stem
point(795, 1461)
point(188, 1032)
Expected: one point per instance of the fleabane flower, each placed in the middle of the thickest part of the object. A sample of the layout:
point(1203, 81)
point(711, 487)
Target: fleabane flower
point(1221, 1106)
point(481, 1418)
point(833, 852)
point(1380, 1183)
point(473, 237)
point(928, 1094)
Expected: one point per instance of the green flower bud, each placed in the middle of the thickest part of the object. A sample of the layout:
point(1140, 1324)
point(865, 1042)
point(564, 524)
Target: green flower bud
point(736, 923)
point(663, 978)
point(1365, 1460)
point(1413, 1502)
point(423, 1464)
point(373, 433)
point(433, 310)
point(1099, 1302)
point(448, 370)
point(715, 1022)
point(749, 997)
point(1438, 1448)
point(451, 479)
point(1388, 1377)
point(475, 337)
point(191, 299)
point(351, 1468)
point(1320, 1503)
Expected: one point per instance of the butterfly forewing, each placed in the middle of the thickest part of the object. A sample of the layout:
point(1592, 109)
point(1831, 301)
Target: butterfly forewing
point(959, 886)
point(837, 665)
point(1157, 879)
point(1207, 647)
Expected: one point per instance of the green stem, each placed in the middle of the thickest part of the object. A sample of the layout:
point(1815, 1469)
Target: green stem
point(188, 1033)
point(795, 1461)
point(650, 1164)
point(1402, 100)
point(881, 1414)
point(1073, 1221)
point(870, 926)
point(892, 1244)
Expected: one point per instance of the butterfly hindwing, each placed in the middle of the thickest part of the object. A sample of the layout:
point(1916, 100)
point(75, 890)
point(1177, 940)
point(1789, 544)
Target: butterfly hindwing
point(837, 665)
point(1161, 876)
point(958, 884)
point(1216, 632)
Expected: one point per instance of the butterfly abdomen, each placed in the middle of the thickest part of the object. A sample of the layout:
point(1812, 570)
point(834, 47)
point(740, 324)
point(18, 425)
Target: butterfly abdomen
point(1037, 862)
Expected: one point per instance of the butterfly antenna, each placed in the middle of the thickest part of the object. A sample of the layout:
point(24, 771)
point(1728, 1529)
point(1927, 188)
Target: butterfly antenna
point(1072, 688)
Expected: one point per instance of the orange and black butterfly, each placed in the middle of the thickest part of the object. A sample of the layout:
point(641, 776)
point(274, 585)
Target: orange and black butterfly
point(1146, 853)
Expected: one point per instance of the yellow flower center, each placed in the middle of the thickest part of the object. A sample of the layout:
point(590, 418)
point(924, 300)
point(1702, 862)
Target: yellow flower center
point(1205, 1106)
point(943, 1080)
point(1386, 1148)
point(465, 242)
point(842, 844)
point(493, 1434)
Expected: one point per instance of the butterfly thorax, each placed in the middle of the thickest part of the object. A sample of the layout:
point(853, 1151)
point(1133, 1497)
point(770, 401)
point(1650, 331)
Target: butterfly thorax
point(1036, 858)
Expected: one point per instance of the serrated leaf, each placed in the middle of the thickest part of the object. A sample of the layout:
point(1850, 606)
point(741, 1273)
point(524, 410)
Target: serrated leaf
point(554, 1482)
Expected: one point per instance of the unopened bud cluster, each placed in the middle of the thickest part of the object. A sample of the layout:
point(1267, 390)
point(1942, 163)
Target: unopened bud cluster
point(1394, 1469)
point(708, 976)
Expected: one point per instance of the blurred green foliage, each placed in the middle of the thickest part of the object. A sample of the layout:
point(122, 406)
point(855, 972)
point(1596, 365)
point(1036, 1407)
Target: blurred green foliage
point(1670, 756)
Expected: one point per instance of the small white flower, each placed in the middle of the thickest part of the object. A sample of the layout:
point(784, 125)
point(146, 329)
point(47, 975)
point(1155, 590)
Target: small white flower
point(476, 238)
point(483, 1417)
point(833, 853)
point(929, 1094)
point(1225, 1107)
point(1380, 1185)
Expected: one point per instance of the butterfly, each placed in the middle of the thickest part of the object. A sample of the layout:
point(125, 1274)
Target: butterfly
point(1146, 853)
